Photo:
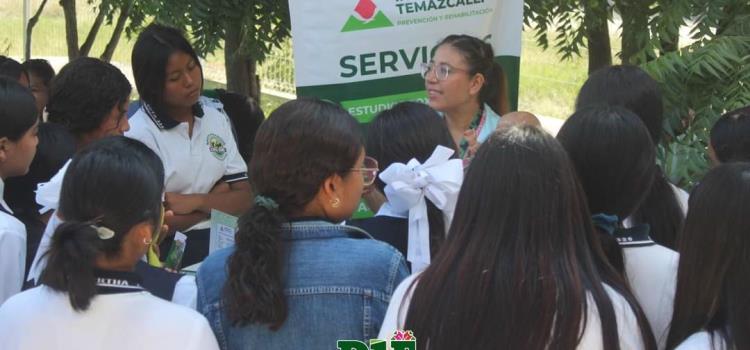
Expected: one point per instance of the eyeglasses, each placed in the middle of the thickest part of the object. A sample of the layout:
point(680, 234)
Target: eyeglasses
point(369, 170)
point(441, 71)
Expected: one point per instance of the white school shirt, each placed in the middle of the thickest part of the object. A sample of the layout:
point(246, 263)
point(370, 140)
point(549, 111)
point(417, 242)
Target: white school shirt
point(627, 325)
point(703, 341)
point(651, 270)
point(12, 250)
point(192, 164)
point(48, 196)
point(42, 318)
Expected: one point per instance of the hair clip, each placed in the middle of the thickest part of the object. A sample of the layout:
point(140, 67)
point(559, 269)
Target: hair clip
point(266, 202)
point(103, 232)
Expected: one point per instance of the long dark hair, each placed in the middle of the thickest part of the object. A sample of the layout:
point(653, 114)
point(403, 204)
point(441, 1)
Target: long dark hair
point(712, 283)
point(410, 130)
point(150, 56)
point(730, 136)
point(302, 143)
point(520, 259)
point(614, 158)
point(480, 57)
point(634, 89)
point(115, 182)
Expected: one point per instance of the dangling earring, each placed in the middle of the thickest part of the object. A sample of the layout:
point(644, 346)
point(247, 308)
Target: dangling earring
point(147, 241)
point(336, 203)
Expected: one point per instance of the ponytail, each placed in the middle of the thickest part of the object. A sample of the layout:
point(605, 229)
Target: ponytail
point(495, 90)
point(254, 291)
point(70, 262)
point(480, 57)
point(319, 139)
point(662, 212)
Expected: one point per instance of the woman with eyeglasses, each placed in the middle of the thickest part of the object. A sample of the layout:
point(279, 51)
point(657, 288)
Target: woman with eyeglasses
point(296, 278)
point(422, 175)
point(465, 83)
point(90, 296)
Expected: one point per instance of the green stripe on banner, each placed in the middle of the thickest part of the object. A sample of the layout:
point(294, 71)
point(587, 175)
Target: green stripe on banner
point(366, 109)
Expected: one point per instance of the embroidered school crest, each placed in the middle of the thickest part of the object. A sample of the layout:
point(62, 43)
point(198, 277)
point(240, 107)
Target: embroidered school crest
point(216, 146)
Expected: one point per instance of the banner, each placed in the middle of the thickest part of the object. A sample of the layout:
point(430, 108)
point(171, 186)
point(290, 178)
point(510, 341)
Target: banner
point(366, 54)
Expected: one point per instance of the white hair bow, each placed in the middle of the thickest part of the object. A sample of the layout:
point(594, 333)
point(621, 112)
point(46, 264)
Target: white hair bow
point(407, 185)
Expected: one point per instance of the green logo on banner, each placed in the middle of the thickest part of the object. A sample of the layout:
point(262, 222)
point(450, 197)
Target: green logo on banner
point(401, 340)
point(366, 15)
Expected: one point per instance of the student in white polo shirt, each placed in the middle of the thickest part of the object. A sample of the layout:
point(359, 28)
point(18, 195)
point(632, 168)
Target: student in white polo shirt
point(194, 138)
point(18, 140)
point(615, 160)
point(90, 297)
point(90, 98)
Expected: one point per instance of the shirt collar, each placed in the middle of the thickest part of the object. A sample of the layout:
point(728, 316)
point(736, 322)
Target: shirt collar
point(318, 228)
point(4, 206)
point(114, 282)
point(164, 122)
point(636, 236)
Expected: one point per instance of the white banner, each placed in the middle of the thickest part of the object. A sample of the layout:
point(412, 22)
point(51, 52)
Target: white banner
point(345, 41)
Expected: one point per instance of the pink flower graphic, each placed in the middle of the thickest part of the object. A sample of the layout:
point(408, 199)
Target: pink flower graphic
point(403, 335)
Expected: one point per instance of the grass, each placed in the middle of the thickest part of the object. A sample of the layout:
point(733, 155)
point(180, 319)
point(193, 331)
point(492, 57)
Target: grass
point(548, 85)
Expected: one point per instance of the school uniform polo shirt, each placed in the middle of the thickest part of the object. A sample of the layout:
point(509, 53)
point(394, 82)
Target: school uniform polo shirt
point(651, 271)
point(192, 163)
point(12, 250)
point(122, 315)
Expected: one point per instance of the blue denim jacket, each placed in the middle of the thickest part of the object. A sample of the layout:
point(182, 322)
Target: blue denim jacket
point(338, 282)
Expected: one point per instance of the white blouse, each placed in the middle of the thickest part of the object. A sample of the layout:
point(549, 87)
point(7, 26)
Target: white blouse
point(42, 318)
point(627, 324)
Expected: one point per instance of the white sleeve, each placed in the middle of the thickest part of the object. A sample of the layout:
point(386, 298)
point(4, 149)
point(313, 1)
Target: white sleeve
point(48, 193)
point(186, 292)
point(12, 261)
point(682, 198)
point(628, 331)
point(702, 341)
point(40, 260)
point(627, 328)
point(395, 316)
point(203, 337)
point(236, 168)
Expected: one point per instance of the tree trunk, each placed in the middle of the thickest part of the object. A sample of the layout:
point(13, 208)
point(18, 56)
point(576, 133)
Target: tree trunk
point(117, 33)
point(71, 27)
point(30, 28)
point(91, 37)
point(634, 15)
point(240, 68)
point(597, 35)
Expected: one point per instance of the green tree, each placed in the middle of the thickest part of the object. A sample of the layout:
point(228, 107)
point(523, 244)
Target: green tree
point(105, 14)
point(246, 30)
point(581, 24)
point(702, 81)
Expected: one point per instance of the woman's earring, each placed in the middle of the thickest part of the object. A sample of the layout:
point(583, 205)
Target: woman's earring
point(336, 203)
point(147, 241)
